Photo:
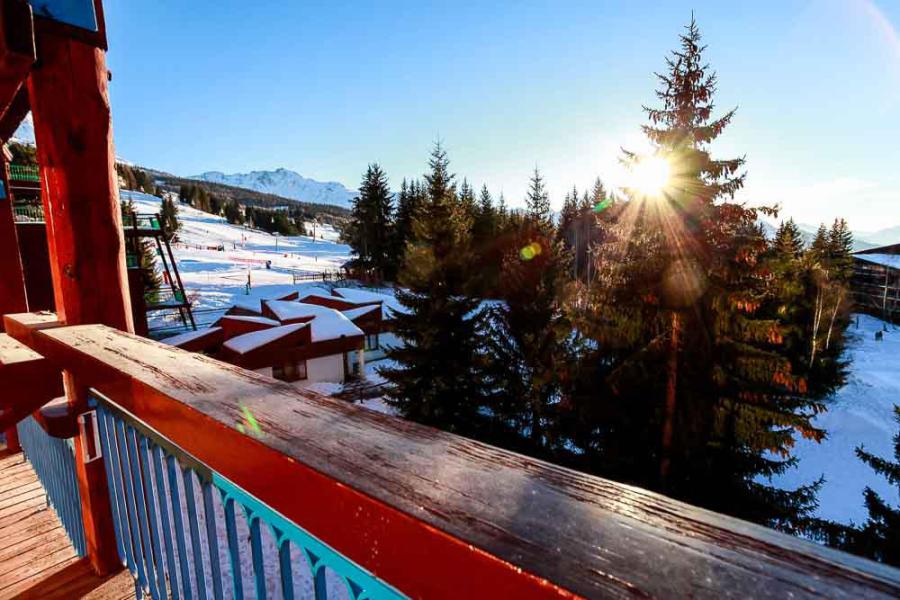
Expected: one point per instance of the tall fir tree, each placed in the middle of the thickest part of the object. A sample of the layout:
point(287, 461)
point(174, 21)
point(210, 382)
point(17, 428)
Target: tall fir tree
point(371, 223)
point(702, 402)
point(529, 348)
point(537, 200)
point(145, 257)
point(168, 214)
point(436, 380)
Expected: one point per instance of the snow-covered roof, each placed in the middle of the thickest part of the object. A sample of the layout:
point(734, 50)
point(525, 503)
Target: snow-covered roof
point(248, 303)
point(190, 336)
point(327, 323)
point(355, 313)
point(248, 319)
point(887, 260)
point(389, 303)
point(248, 342)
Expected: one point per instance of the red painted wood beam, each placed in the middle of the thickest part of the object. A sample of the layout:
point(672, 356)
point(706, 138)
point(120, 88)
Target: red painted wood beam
point(12, 278)
point(79, 189)
point(13, 298)
point(27, 380)
point(17, 52)
point(14, 115)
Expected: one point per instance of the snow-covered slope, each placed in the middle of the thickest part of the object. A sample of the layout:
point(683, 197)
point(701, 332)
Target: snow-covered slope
point(860, 414)
point(283, 182)
point(217, 259)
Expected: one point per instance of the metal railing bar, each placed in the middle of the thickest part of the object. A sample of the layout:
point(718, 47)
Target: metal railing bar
point(212, 540)
point(152, 517)
point(131, 504)
point(233, 548)
point(194, 524)
point(156, 457)
point(285, 567)
point(259, 568)
point(140, 500)
point(172, 469)
point(114, 486)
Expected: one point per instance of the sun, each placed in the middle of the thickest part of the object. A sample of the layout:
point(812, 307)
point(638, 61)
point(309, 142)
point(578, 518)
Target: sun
point(650, 175)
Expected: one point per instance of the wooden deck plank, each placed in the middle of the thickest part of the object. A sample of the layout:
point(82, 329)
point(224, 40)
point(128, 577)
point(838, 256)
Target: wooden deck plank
point(37, 559)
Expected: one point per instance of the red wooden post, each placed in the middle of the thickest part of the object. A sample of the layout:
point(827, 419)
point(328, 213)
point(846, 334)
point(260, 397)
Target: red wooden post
point(12, 279)
point(73, 130)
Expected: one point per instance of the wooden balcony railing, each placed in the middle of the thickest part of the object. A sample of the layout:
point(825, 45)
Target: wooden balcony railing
point(223, 480)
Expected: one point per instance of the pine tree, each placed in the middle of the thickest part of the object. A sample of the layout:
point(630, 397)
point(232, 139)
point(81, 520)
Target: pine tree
point(788, 241)
point(144, 252)
point(168, 214)
point(702, 401)
point(537, 201)
point(840, 246)
point(436, 378)
point(529, 347)
point(879, 538)
point(370, 233)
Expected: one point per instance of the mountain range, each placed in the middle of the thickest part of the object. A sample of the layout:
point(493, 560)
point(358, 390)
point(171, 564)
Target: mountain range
point(286, 183)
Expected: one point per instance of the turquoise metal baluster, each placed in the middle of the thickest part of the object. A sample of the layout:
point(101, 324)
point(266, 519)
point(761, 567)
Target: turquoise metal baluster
point(194, 523)
point(285, 566)
point(156, 455)
point(259, 567)
point(318, 568)
point(237, 583)
point(172, 469)
point(137, 479)
point(212, 538)
point(114, 484)
point(131, 504)
point(152, 519)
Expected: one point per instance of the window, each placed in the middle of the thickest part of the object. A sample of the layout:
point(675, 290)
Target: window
point(371, 341)
point(290, 371)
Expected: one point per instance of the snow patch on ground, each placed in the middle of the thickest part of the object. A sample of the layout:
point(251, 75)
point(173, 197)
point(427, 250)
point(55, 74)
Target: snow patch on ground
point(861, 413)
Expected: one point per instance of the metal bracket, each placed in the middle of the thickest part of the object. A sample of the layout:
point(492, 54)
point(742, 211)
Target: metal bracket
point(83, 418)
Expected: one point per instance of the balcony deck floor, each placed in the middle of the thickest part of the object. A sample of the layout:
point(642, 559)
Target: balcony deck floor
point(37, 559)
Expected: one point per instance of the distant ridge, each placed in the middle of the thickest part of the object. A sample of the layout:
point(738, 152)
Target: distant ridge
point(285, 183)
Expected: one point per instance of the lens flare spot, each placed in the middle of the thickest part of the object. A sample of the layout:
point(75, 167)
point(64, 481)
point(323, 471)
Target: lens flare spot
point(602, 205)
point(249, 424)
point(530, 252)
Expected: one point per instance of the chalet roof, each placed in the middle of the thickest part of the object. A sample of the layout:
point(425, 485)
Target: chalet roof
point(252, 319)
point(249, 342)
point(190, 336)
point(389, 303)
point(327, 323)
point(355, 313)
point(888, 260)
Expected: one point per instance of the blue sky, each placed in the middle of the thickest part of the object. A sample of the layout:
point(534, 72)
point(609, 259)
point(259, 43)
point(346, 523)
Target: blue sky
point(326, 87)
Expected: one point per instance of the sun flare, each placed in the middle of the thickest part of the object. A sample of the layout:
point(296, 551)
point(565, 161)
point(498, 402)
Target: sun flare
point(650, 175)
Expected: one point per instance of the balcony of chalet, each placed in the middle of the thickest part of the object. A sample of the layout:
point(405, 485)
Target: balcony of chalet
point(137, 469)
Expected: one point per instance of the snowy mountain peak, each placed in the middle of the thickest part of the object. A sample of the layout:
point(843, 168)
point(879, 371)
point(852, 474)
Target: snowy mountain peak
point(286, 183)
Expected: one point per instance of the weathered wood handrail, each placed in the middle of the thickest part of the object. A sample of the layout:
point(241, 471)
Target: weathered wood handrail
point(438, 515)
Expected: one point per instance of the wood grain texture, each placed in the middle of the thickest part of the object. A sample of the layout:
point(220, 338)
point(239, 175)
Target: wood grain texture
point(439, 515)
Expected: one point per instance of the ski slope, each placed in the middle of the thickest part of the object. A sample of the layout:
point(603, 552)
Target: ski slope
point(216, 260)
